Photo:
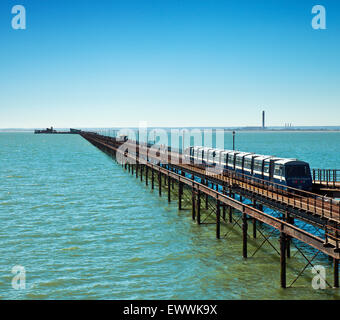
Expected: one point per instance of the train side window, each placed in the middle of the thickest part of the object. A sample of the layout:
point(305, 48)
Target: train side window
point(266, 167)
point(257, 165)
point(231, 160)
point(247, 163)
point(283, 171)
point(239, 161)
point(278, 170)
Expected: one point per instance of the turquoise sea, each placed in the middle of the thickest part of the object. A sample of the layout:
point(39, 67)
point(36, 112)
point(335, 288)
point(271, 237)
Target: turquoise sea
point(83, 228)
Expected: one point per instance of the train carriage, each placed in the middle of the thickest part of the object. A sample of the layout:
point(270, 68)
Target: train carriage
point(286, 172)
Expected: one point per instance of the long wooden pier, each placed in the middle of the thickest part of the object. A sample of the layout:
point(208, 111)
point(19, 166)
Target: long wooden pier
point(223, 190)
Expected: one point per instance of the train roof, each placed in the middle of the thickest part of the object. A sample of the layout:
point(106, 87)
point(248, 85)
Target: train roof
point(267, 158)
point(227, 151)
point(242, 154)
point(233, 152)
point(291, 161)
point(254, 155)
point(278, 160)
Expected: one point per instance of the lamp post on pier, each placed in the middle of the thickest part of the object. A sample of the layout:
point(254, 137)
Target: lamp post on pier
point(234, 140)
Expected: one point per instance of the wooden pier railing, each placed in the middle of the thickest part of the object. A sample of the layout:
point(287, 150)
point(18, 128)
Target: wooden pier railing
point(327, 177)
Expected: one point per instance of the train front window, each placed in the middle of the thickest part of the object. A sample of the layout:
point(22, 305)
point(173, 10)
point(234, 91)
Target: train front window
point(297, 171)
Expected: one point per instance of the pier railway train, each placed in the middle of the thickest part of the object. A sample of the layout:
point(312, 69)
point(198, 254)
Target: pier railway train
point(286, 172)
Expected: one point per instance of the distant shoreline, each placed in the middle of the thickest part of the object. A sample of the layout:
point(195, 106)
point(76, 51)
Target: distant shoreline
point(167, 128)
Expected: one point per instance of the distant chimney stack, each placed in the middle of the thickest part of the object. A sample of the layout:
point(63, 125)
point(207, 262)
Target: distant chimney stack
point(263, 120)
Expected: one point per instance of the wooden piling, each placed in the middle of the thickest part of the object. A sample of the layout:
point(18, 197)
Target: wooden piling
point(193, 199)
point(198, 219)
point(146, 175)
point(218, 219)
point(180, 191)
point(283, 259)
point(224, 206)
point(288, 238)
point(152, 179)
point(169, 189)
point(336, 272)
point(244, 234)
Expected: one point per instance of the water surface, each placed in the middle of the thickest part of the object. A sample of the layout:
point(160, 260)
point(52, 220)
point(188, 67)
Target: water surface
point(83, 228)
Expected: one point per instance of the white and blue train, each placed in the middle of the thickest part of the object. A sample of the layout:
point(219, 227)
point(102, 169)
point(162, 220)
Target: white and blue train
point(287, 172)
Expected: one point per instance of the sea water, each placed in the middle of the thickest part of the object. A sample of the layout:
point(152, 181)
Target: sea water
point(83, 228)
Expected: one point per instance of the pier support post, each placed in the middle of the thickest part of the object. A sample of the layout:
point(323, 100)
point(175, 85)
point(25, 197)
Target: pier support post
point(288, 238)
point(260, 207)
point(152, 179)
point(218, 219)
point(244, 234)
point(169, 186)
point(141, 172)
point(146, 175)
point(283, 259)
point(137, 165)
point(159, 184)
point(224, 206)
point(198, 207)
point(193, 200)
point(254, 220)
point(206, 201)
point(336, 272)
point(180, 191)
point(231, 195)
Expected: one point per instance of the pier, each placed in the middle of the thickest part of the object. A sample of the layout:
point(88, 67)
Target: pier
point(237, 199)
point(52, 131)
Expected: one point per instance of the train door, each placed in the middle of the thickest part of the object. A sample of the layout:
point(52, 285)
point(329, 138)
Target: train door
point(214, 159)
point(234, 162)
point(242, 164)
point(271, 170)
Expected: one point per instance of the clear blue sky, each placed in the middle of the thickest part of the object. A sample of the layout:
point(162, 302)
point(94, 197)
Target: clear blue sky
point(87, 63)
